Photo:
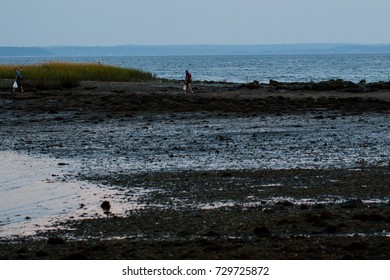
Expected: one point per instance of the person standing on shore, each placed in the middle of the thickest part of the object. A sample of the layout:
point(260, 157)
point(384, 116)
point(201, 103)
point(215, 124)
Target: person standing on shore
point(188, 81)
point(19, 79)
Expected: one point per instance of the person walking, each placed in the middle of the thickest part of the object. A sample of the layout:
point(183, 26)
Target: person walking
point(18, 80)
point(188, 81)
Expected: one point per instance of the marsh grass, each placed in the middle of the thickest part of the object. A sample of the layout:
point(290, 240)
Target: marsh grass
point(68, 75)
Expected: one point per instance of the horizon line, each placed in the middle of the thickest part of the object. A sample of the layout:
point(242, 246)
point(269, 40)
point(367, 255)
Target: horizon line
point(200, 44)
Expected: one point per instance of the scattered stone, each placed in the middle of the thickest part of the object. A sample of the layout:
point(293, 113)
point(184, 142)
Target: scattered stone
point(226, 174)
point(55, 241)
point(303, 207)
point(318, 206)
point(118, 91)
point(106, 206)
point(284, 203)
point(252, 85)
point(316, 220)
point(274, 83)
point(212, 233)
point(41, 254)
point(356, 246)
point(368, 217)
point(362, 83)
point(22, 250)
point(331, 229)
point(59, 118)
point(262, 231)
point(352, 204)
point(330, 85)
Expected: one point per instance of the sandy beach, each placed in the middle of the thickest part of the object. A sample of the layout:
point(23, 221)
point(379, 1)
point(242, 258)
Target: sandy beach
point(255, 171)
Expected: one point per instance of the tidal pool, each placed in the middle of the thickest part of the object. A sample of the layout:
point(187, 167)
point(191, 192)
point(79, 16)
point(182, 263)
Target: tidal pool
point(36, 193)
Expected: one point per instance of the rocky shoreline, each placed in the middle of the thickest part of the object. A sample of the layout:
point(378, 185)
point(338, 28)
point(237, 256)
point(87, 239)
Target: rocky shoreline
point(291, 213)
point(121, 99)
point(282, 228)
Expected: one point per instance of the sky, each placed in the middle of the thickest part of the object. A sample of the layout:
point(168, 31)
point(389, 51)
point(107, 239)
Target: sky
point(180, 22)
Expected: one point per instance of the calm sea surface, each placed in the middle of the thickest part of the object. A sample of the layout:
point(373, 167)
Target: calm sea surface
point(244, 68)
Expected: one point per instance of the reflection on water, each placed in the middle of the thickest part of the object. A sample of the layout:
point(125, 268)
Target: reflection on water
point(35, 193)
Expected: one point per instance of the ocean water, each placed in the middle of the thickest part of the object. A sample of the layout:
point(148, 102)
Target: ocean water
point(246, 68)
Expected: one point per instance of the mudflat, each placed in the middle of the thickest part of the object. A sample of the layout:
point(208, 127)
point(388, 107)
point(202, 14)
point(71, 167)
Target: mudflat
point(228, 172)
point(120, 99)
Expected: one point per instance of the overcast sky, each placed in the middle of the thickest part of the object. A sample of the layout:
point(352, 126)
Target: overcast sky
point(164, 22)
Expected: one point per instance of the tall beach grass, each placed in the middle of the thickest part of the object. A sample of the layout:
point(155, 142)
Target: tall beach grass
point(69, 75)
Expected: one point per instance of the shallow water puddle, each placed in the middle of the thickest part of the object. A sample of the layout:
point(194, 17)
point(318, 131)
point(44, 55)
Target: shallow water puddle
point(35, 193)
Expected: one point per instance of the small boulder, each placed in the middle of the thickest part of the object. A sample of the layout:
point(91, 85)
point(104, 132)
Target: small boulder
point(351, 204)
point(274, 83)
point(54, 240)
point(262, 231)
point(106, 206)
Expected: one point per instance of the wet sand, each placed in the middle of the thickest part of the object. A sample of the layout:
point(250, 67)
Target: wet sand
point(38, 192)
point(123, 99)
point(227, 172)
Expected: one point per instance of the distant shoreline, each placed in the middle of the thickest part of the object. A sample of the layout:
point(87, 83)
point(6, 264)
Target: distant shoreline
point(166, 50)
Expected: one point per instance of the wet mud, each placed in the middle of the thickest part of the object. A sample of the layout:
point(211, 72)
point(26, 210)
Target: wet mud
point(224, 173)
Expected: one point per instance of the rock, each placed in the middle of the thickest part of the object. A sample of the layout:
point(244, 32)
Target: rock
point(378, 86)
point(55, 241)
point(356, 246)
point(329, 85)
point(333, 85)
point(252, 85)
point(284, 203)
point(369, 217)
point(212, 233)
point(316, 220)
point(331, 229)
point(118, 91)
point(353, 203)
point(318, 206)
point(262, 231)
point(227, 174)
point(106, 206)
point(274, 83)
point(41, 254)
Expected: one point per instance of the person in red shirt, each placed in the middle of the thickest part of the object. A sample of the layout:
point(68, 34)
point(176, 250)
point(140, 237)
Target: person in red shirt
point(188, 81)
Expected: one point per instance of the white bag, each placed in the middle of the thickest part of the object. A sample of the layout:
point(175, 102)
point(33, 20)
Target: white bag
point(184, 87)
point(15, 85)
